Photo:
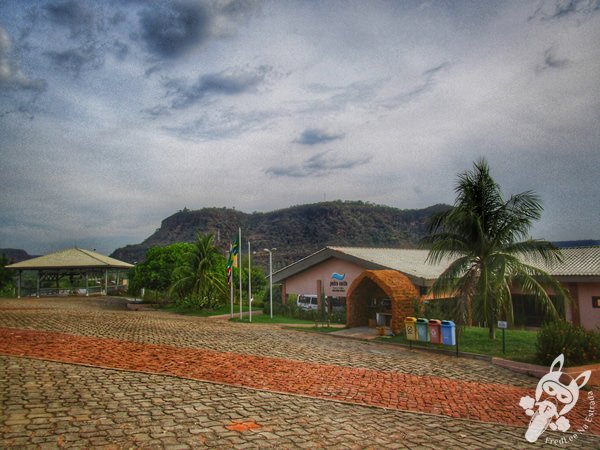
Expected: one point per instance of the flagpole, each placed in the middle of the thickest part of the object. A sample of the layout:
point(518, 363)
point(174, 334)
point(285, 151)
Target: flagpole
point(240, 268)
point(249, 283)
point(231, 293)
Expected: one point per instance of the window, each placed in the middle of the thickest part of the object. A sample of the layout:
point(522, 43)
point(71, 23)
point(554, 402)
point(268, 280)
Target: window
point(595, 302)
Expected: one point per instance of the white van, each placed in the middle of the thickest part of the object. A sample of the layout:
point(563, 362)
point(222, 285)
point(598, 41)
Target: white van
point(307, 302)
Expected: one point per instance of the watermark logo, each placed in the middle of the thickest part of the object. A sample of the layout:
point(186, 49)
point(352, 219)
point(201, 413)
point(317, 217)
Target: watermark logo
point(556, 394)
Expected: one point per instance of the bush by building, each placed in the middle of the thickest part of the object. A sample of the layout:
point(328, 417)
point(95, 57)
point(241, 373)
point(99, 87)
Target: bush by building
point(578, 345)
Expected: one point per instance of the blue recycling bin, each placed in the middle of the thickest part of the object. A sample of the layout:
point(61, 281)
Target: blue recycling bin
point(422, 329)
point(448, 332)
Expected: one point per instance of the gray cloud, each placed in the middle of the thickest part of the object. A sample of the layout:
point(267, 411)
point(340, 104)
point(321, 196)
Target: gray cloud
point(170, 30)
point(120, 49)
point(72, 15)
point(11, 76)
point(412, 117)
point(428, 80)
point(340, 97)
point(314, 136)
point(319, 164)
point(563, 8)
point(551, 61)
point(17, 91)
point(222, 124)
point(228, 83)
point(75, 60)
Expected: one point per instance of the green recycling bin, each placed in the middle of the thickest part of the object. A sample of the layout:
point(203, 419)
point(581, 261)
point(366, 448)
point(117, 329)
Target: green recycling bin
point(422, 329)
point(410, 324)
point(435, 331)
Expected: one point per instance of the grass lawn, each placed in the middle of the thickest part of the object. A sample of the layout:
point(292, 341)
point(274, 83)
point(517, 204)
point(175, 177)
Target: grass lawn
point(315, 329)
point(520, 344)
point(264, 318)
point(205, 312)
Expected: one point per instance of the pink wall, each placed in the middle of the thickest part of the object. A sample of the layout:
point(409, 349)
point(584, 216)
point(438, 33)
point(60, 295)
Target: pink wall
point(305, 282)
point(590, 317)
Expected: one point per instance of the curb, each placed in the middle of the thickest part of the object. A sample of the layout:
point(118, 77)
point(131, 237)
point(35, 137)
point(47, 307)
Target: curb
point(537, 371)
point(235, 314)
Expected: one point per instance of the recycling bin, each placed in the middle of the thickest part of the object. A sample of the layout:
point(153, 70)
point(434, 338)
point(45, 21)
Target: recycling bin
point(410, 324)
point(422, 329)
point(435, 331)
point(448, 332)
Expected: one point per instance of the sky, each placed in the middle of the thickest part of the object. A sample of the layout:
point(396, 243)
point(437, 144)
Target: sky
point(116, 114)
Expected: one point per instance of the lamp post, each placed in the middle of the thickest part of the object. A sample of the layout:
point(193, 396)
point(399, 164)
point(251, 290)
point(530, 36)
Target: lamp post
point(270, 279)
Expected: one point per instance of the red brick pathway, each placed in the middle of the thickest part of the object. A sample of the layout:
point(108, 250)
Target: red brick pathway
point(427, 394)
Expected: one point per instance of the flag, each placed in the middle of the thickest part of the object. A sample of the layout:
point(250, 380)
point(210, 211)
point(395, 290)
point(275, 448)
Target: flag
point(234, 249)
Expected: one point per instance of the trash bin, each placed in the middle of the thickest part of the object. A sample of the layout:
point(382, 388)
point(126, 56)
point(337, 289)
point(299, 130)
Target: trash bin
point(448, 332)
point(410, 323)
point(422, 333)
point(435, 332)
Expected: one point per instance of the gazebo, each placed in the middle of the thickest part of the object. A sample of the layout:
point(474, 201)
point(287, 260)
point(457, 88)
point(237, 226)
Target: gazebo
point(74, 264)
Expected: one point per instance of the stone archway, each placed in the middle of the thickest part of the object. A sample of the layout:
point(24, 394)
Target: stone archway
point(373, 285)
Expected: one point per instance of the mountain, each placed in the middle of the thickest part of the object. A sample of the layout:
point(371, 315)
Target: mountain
point(296, 232)
point(15, 255)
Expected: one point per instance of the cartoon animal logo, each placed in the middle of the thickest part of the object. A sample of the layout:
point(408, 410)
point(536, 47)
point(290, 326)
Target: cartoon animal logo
point(555, 390)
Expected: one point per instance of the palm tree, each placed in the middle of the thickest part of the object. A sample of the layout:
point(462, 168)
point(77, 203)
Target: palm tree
point(487, 239)
point(204, 277)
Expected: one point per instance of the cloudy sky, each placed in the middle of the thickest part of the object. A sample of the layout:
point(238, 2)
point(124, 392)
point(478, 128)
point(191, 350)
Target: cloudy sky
point(116, 114)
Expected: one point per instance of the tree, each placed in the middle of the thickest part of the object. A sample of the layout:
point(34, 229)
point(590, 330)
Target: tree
point(487, 238)
point(203, 279)
point(6, 279)
point(156, 272)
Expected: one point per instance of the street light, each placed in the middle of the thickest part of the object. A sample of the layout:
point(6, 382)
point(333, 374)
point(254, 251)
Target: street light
point(270, 279)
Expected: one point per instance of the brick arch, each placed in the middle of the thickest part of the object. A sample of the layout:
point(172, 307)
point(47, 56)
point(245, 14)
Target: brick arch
point(393, 284)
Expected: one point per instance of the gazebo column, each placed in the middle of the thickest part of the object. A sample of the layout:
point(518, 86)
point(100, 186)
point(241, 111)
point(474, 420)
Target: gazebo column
point(87, 288)
point(38, 284)
point(105, 281)
point(19, 285)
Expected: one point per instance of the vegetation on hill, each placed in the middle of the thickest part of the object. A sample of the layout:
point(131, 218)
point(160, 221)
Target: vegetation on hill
point(6, 282)
point(295, 232)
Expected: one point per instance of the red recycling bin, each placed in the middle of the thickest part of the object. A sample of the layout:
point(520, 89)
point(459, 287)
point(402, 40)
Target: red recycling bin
point(435, 331)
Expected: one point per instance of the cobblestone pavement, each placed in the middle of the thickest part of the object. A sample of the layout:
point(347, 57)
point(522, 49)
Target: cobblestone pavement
point(109, 318)
point(53, 405)
point(62, 404)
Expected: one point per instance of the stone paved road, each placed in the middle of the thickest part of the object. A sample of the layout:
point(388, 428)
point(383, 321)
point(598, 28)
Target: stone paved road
point(109, 318)
point(52, 404)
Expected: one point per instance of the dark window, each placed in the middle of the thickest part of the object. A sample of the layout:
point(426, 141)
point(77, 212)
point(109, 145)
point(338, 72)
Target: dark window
point(595, 302)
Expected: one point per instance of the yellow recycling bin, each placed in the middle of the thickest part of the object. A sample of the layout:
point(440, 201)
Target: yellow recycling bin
point(410, 323)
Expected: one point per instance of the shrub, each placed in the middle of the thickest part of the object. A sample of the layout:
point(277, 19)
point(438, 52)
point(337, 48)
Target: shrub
point(198, 302)
point(290, 309)
point(578, 345)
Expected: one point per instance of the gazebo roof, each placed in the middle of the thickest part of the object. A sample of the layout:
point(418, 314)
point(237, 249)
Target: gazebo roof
point(71, 258)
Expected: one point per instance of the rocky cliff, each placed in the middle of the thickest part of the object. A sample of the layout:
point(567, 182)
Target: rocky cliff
point(296, 231)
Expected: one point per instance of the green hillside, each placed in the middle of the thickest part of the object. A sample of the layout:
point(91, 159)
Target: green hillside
point(296, 231)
